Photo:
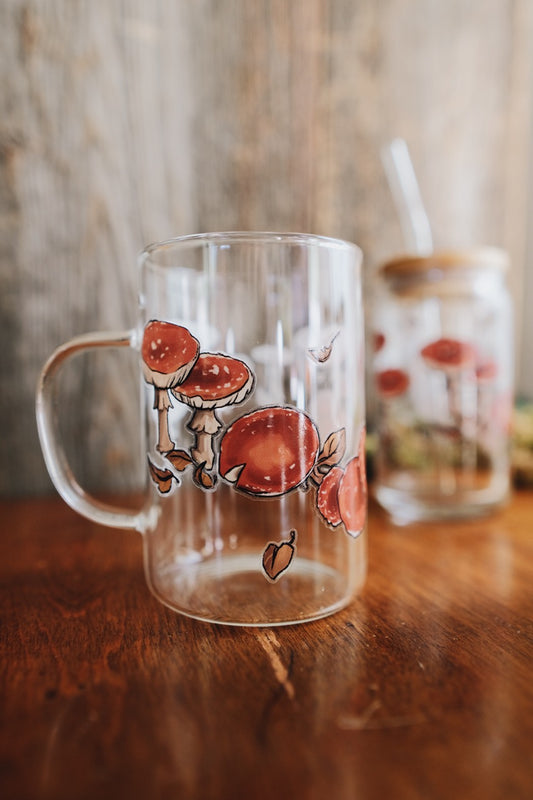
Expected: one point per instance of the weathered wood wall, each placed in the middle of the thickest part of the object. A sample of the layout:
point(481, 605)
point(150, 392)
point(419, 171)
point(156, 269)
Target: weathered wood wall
point(127, 122)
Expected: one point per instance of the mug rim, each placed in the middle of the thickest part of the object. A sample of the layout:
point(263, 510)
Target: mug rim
point(230, 237)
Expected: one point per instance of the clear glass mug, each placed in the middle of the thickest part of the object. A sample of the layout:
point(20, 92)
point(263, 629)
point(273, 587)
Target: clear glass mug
point(443, 378)
point(251, 352)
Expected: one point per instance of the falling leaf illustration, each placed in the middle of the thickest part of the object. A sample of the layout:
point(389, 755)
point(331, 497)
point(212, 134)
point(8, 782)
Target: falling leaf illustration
point(179, 459)
point(277, 556)
point(202, 478)
point(321, 354)
point(330, 455)
point(161, 477)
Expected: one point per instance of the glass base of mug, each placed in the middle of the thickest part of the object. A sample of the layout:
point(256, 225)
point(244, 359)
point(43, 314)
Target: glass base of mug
point(231, 590)
point(408, 502)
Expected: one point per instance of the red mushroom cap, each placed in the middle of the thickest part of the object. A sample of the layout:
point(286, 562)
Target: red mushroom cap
point(328, 496)
point(169, 352)
point(448, 355)
point(269, 451)
point(352, 496)
point(392, 382)
point(215, 381)
point(379, 341)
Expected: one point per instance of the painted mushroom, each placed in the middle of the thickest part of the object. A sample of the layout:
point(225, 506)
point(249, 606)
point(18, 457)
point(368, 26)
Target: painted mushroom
point(352, 496)
point(269, 451)
point(378, 341)
point(392, 383)
point(215, 381)
point(448, 355)
point(342, 495)
point(453, 358)
point(169, 352)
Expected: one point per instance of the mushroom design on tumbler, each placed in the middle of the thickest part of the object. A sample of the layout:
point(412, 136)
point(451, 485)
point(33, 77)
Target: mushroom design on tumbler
point(342, 493)
point(269, 451)
point(452, 357)
point(214, 382)
point(392, 383)
point(169, 352)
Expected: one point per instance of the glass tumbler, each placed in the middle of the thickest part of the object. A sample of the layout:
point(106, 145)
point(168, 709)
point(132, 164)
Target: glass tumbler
point(251, 366)
point(443, 381)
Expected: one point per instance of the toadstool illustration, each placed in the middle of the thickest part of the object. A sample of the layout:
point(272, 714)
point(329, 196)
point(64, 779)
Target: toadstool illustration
point(169, 352)
point(215, 381)
point(327, 499)
point(342, 495)
point(378, 341)
point(269, 451)
point(352, 495)
point(452, 357)
point(448, 355)
point(392, 383)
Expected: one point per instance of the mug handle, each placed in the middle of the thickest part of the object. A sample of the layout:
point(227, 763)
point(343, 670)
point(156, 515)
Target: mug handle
point(54, 455)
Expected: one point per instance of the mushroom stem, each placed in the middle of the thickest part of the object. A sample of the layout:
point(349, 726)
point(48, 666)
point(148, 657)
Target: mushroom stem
point(162, 403)
point(205, 425)
point(203, 452)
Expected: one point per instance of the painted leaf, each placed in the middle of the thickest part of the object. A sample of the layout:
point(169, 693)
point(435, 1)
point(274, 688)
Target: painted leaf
point(161, 477)
point(179, 459)
point(202, 478)
point(330, 455)
point(277, 556)
point(333, 449)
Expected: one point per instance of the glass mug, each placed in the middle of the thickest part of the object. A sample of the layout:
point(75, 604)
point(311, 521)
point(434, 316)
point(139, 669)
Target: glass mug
point(443, 377)
point(251, 359)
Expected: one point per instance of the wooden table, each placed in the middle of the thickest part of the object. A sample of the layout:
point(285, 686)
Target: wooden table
point(422, 688)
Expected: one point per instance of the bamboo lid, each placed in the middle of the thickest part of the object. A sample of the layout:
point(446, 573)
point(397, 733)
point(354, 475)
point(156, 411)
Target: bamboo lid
point(448, 273)
point(469, 258)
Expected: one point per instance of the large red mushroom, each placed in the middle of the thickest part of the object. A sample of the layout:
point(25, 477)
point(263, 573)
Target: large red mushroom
point(215, 381)
point(169, 352)
point(269, 451)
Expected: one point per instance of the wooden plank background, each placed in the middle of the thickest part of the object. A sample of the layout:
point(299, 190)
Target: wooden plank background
point(126, 122)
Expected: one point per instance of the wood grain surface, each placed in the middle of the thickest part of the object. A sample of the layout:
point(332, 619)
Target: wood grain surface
point(420, 690)
point(125, 123)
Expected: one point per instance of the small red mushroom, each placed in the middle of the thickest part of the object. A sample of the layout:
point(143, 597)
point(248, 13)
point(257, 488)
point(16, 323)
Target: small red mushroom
point(352, 496)
point(169, 352)
point(342, 495)
point(378, 341)
point(453, 358)
point(327, 500)
point(448, 355)
point(269, 451)
point(392, 383)
point(215, 381)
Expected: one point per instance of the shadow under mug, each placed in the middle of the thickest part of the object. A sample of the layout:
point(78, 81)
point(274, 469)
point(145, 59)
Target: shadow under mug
point(251, 353)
